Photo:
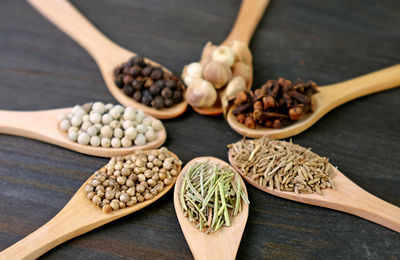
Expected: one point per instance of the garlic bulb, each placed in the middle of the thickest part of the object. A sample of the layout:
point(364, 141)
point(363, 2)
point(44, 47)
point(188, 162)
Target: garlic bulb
point(225, 55)
point(241, 52)
point(194, 69)
point(201, 94)
point(206, 55)
point(217, 74)
point(241, 69)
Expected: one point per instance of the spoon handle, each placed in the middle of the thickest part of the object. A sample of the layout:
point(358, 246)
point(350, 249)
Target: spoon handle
point(73, 220)
point(353, 199)
point(343, 92)
point(64, 15)
point(250, 14)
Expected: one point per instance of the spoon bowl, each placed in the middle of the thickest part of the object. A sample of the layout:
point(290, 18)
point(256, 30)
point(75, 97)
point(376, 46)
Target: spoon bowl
point(44, 126)
point(250, 14)
point(79, 216)
point(328, 98)
point(224, 243)
point(347, 197)
point(106, 53)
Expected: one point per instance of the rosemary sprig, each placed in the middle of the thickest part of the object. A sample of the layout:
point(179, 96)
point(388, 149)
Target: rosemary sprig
point(211, 195)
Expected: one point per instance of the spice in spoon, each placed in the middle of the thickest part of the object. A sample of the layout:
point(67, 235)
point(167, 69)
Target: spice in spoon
point(225, 69)
point(211, 195)
point(148, 84)
point(132, 179)
point(281, 165)
point(97, 124)
point(276, 104)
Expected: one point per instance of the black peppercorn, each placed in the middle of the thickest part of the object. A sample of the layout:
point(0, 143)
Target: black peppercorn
point(177, 96)
point(117, 71)
point(128, 90)
point(125, 69)
point(166, 93)
point(157, 74)
point(168, 102)
point(137, 85)
point(134, 71)
point(146, 71)
point(170, 84)
point(148, 83)
point(118, 81)
point(160, 83)
point(137, 96)
point(146, 99)
point(158, 102)
point(127, 79)
point(154, 89)
point(145, 92)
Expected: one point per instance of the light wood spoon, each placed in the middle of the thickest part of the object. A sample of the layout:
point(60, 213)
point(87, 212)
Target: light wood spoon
point(328, 98)
point(79, 216)
point(250, 14)
point(347, 197)
point(106, 53)
point(44, 126)
point(224, 243)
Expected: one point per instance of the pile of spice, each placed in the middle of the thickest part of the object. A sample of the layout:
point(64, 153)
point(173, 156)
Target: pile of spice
point(276, 104)
point(97, 124)
point(148, 84)
point(224, 68)
point(132, 179)
point(210, 195)
point(281, 165)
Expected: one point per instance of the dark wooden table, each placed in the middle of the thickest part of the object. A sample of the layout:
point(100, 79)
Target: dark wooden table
point(326, 41)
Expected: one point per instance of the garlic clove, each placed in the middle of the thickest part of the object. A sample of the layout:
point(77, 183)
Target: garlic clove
point(188, 80)
point(217, 74)
point(225, 55)
point(236, 85)
point(241, 69)
point(206, 56)
point(194, 69)
point(201, 94)
point(241, 52)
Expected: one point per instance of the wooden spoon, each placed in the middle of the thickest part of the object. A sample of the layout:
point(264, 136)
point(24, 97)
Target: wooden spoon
point(79, 216)
point(224, 243)
point(327, 99)
point(106, 53)
point(347, 197)
point(44, 126)
point(250, 14)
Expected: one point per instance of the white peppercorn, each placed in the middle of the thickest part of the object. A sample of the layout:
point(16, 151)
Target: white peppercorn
point(98, 107)
point(85, 126)
point(118, 133)
point(150, 135)
point(73, 136)
point(108, 106)
point(131, 133)
point(126, 142)
point(95, 117)
point(65, 125)
point(106, 131)
point(105, 142)
point(83, 138)
point(141, 129)
point(115, 113)
point(76, 121)
point(115, 124)
point(115, 142)
point(106, 119)
point(129, 114)
point(140, 140)
point(147, 121)
point(95, 141)
point(156, 125)
point(92, 131)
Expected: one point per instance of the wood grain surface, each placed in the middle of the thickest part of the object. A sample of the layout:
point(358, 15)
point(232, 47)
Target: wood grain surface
point(326, 41)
